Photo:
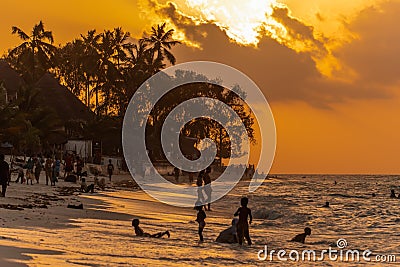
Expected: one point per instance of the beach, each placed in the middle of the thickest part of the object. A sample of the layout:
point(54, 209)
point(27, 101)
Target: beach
point(100, 234)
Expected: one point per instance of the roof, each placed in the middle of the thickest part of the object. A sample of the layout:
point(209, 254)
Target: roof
point(61, 100)
point(11, 79)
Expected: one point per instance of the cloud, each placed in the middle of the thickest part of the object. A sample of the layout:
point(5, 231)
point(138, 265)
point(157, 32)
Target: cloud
point(287, 74)
point(375, 53)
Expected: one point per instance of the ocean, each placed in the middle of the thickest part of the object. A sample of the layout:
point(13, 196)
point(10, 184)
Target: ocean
point(101, 235)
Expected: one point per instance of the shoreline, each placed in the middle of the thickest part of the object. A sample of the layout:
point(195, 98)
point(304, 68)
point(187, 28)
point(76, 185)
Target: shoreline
point(43, 206)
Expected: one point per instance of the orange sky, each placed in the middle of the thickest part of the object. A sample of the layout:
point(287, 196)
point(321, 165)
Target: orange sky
point(330, 69)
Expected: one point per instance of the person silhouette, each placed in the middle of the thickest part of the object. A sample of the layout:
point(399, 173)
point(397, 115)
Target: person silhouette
point(326, 205)
point(200, 219)
point(302, 237)
point(207, 186)
point(243, 224)
point(4, 174)
point(139, 231)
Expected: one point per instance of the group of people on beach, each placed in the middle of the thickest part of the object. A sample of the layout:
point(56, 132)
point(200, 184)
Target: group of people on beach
point(237, 233)
point(239, 230)
point(34, 167)
point(30, 170)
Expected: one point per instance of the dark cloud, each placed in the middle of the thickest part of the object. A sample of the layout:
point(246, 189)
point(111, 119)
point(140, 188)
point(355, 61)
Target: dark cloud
point(299, 31)
point(375, 55)
point(286, 75)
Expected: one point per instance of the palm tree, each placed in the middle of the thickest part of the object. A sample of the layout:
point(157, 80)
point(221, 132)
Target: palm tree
point(121, 46)
point(90, 61)
point(160, 42)
point(36, 51)
point(70, 69)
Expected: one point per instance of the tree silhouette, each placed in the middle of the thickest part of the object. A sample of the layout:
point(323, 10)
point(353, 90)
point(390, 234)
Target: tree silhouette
point(34, 56)
point(201, 128)
point(160, 42)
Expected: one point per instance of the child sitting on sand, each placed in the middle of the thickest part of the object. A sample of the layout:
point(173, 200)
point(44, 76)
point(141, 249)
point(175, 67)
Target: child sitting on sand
point(140, 232)
point(243, 224)
point(200, 219)
point(229, 235)
point(85, 188)
point(100, 183)
point(302, 237)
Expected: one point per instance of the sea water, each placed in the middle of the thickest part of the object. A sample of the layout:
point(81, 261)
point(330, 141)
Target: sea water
point(281, 208)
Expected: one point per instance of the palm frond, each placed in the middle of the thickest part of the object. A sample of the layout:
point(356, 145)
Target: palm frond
point(21, 34)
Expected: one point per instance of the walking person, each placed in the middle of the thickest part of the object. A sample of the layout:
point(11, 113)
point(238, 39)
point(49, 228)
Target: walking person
point(4, 175)
point(200, 219)
point(110, 169)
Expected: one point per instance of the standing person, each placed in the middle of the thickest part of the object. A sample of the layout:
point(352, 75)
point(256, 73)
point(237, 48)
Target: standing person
point(53, 174)
point(79, 167)
point(57, 167)
point(200, 219)
point(38, 169)
point(29, 170)
point(199, 183)
point(190, 173)
point(68, 165)
point(4, 175)
point(207, 186)
point(110, 169)
point(48, 170)
point(20, 175)
point(176, 174)
point(243, 224)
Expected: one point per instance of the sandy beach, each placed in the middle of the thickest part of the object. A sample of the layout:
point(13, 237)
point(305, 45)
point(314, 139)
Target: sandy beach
point(101, 234)
point(38, 206)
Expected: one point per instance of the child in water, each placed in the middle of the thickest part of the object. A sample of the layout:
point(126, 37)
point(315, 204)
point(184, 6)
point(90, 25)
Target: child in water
point(140, 232)
point(302, 237)
point(201, 216)
point(243, 224)
point(326, 205)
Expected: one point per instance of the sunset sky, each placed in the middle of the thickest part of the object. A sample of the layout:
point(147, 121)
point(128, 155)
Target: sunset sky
point(329, 69)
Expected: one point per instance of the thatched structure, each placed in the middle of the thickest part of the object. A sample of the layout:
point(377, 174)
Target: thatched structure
point(61, 100)
point(11, 80)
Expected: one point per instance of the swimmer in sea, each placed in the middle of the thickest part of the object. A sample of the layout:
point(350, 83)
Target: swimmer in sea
point(302, 237)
